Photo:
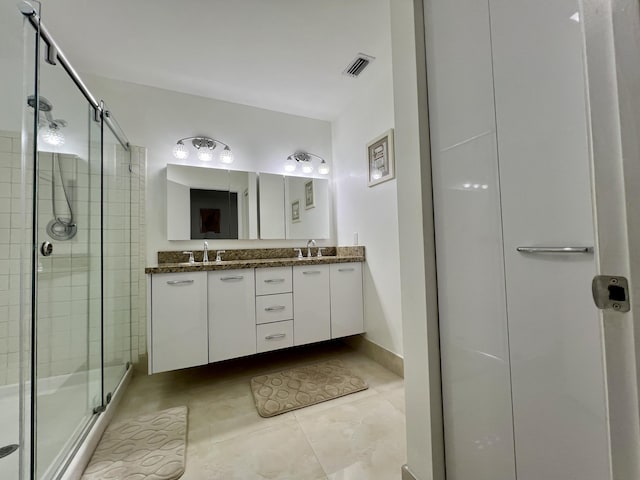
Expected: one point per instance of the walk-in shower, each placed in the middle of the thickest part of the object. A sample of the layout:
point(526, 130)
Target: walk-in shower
point(65, 253)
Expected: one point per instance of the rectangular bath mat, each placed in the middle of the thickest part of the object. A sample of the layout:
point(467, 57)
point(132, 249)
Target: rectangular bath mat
point(149, 447)
point(300, 387)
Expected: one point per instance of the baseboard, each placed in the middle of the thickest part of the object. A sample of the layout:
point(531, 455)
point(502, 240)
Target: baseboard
point(406, 473)
point(375, 352)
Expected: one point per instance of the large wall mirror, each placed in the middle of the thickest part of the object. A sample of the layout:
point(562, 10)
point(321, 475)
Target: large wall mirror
point(210, 203)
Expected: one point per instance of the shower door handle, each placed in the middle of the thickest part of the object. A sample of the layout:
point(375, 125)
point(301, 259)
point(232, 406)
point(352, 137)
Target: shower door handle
point(46, 249)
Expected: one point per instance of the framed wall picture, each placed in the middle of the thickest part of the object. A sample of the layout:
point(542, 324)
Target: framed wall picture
point(295, 211)
point(309, 195)
point(381, 159)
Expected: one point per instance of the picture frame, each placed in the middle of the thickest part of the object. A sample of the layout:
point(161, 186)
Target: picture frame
point(381, 159)
point(295, 211)
point(309, 195)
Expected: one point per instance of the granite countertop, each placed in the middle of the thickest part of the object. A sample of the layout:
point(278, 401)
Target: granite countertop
point(251, 263)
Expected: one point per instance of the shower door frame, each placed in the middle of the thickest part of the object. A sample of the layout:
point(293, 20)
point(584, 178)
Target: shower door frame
point(101, 116)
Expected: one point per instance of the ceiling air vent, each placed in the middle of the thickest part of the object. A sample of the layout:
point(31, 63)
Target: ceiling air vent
point(356, 67)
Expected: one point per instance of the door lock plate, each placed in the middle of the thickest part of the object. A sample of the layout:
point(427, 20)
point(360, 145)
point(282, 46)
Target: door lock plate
point(611, 293)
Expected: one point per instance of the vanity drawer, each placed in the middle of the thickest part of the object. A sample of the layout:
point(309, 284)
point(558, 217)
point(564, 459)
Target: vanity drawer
point(273, 280)
point(274, 308)
point(272, 336)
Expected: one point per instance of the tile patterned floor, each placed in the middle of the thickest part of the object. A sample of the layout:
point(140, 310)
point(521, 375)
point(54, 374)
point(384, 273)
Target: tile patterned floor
point(356, 437)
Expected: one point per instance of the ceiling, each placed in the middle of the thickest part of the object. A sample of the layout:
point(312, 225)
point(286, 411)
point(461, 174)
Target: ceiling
point(283, 55)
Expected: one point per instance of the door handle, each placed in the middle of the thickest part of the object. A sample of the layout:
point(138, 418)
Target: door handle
point(235, 277)
point(275, 336)
point(275, 308)
point(554, 249)
point(274, 280)
point(311, 272)
point(179, 282)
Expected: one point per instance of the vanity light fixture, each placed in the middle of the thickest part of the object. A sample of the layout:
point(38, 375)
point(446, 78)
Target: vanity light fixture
point(304, 161)
point(204, 146)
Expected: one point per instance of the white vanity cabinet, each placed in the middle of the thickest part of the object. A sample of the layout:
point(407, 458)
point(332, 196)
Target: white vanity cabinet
point(178, 333)
point(232, 315)
point(200, 317)
point(311, 304)
point(347, 309)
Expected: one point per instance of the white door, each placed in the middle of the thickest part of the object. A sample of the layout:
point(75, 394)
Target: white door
point(557, 368)
point(347, 309)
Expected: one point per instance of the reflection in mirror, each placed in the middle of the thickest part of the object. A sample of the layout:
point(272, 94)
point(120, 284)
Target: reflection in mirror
point(272, 206)
point(307, 208)
point(209, 203)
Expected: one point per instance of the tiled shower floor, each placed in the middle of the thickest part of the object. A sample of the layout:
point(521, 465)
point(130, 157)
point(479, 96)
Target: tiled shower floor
point(360, 436)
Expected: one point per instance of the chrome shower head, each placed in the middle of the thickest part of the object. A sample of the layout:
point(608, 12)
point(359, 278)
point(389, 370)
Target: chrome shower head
point(44, 104)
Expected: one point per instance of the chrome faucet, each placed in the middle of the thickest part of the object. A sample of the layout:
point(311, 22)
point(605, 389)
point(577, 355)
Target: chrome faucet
point(205, 253)
point(310, 243)
point(219, 255)
point(191, 260)
point(300, 257)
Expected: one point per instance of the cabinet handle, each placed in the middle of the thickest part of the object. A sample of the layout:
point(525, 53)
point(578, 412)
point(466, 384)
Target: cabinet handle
point(346, 269)
point(274, 280)
point(179, 282)
point(275, 336)
point(236, 277)
point(311, 272)
point(275, 308)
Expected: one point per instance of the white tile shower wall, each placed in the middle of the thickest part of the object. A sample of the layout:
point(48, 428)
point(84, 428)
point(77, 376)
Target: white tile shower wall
point(10, 225)
point(138, 253)
point(66, 278)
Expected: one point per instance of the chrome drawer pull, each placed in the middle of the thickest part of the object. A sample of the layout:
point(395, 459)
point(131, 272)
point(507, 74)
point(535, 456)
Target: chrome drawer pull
point(311, 272)
point(237, 277)
point(179, 282)
point(275, 336)
point(275, 308)
point(274, 280)
point(554, 249)
point(346, 269)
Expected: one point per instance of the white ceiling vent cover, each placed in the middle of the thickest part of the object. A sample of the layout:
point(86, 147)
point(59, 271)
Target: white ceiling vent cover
point(356, 67)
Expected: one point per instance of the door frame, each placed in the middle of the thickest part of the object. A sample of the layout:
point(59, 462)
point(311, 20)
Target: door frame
point(612, 39)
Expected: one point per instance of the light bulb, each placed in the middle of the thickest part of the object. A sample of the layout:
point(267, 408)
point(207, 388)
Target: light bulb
point(307, 167)
point(323, 169)
point(180, 151)
point(226, 156)
point(53, 136)
point(205, 154)
point(376, 175)
point(290, 165)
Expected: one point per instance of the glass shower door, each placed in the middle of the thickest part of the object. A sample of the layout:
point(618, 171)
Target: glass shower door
point(116, 252)
point(68, 284)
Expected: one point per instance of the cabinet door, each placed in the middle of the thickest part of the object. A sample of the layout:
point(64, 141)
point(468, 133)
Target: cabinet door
point(232, 314)
point(178, 321)
point(347, 317)
point(311, 304)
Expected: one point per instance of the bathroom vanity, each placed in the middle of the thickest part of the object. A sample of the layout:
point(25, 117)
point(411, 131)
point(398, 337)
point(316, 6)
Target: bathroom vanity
point(208, 312)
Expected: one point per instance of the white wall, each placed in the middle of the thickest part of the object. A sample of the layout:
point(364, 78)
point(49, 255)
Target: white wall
point(157, 118)
point(372, 213)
